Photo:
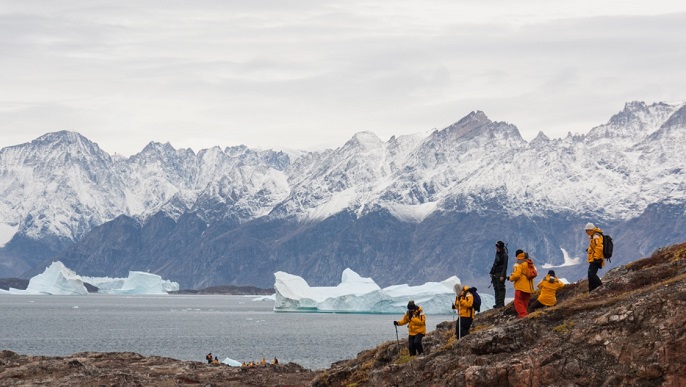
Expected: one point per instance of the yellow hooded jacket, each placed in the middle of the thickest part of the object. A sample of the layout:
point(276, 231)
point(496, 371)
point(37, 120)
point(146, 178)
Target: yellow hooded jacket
point(595, 246)
point(548, 290)
point(520, 281)
point(417, 322)
point(464, 303)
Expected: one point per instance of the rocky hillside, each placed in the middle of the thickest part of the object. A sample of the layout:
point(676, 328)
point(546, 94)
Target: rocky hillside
point(631, 331)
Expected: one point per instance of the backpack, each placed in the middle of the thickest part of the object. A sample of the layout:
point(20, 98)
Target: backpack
point(531, 271)
point(476, 305)
point(608, 246)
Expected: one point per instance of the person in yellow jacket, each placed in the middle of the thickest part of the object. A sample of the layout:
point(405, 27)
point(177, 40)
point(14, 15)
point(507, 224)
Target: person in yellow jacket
point(523, 286)
point(416, 326)
point(464, 304)
point(596, 260)
point(549, 287)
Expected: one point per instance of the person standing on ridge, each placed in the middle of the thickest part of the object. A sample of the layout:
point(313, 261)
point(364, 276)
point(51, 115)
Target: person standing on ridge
point(464, 303)
point(549, 287)
point(417, 328)
point(596, 260)
point(499, 273)
point(522, 284)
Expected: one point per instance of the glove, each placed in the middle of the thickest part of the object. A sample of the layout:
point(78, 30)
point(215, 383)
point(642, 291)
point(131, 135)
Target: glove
point(452, 306)
point(395, 323)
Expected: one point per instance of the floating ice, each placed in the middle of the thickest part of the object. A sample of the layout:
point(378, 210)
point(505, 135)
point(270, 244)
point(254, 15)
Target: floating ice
point(356, 294)
point(137, 282)
point(57, 279)
point(231, 362)
point(265, 298)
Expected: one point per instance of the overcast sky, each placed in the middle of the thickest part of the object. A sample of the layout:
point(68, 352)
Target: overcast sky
point(310, 74)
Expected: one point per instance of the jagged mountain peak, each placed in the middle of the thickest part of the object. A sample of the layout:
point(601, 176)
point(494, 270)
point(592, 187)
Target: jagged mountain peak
point(71, 142)
point(678, 119)
point(158, 147)
point(540, 138)
point(364, 140)
point(475, 116)
point(637, 120)
point(477, 124)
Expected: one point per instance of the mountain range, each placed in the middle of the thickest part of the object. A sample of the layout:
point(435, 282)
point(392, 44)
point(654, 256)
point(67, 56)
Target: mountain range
point(408, 210)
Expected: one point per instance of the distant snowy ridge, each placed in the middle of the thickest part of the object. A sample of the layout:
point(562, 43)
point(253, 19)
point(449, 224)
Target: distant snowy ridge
point(62, 184)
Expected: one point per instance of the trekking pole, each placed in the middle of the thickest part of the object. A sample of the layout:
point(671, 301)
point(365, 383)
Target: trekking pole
point(459, 328)
point(397, 339)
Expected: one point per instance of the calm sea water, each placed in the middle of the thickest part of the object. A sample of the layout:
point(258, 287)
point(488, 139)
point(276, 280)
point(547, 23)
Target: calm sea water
point(188, 327)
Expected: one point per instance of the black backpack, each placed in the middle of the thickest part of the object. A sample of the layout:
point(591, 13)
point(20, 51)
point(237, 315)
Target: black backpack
point(477, 299)
point(608, 246)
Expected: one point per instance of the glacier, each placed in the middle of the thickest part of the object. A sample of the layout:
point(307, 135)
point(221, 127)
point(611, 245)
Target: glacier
point(356, 294)
point(57, 279)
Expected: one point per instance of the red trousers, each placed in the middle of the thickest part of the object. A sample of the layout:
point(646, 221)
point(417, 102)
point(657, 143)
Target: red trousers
point(521, 302)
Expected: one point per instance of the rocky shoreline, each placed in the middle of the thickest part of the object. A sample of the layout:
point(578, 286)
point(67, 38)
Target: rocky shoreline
point(132, 369)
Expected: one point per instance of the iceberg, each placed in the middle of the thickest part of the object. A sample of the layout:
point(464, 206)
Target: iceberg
point(57, 279)
point(137, 282)
point(356, 294)
point(231, 362)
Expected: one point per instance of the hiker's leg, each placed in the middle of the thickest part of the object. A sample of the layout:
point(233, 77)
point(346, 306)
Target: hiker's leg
point(526, 297)
point(411, 345)
point(499, 287)
point(519, 303)
point(418, 344)
point(593, 279)
point(535, 305)
point(465, 324)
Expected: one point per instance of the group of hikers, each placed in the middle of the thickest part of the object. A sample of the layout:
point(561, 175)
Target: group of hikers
point(523, 273)
point(211, 360)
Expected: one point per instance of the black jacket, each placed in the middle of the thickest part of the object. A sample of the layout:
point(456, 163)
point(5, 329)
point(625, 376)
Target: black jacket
point(499, 268)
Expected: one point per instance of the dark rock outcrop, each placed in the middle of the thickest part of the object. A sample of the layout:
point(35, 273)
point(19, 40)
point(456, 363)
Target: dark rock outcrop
point(131, 369)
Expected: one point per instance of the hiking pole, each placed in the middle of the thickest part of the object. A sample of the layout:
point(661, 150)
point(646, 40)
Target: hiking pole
point(397, 339)
point(459, 328)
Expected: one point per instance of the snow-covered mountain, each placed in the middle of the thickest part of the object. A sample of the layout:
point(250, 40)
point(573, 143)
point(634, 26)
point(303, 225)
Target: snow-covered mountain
point(410, 207)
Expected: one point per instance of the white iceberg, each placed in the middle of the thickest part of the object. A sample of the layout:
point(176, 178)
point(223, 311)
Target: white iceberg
point(231, 362)
point(57, 279)
point(137, 282)
point(356, 294)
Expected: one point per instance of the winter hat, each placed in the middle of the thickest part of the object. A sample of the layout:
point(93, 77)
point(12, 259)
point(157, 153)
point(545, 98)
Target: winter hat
point(551, 273)
point(589, 226)
point(411, 305)
point(457, 288)
point(500, 244)
point(519, 251)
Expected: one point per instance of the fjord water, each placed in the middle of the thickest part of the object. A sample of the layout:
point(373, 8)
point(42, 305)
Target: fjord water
point(187, 327)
